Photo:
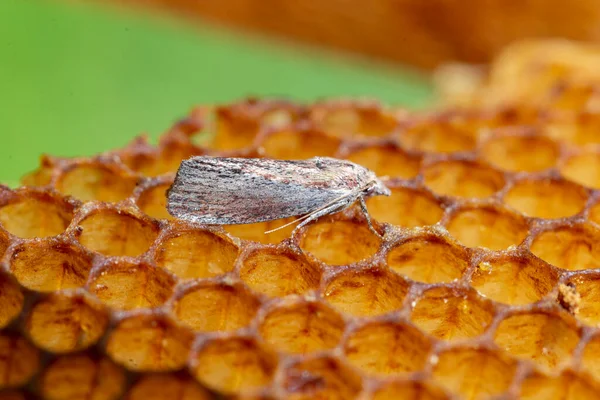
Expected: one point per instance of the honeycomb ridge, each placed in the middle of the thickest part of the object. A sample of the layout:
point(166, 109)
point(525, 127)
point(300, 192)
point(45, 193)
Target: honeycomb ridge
point(484, 285)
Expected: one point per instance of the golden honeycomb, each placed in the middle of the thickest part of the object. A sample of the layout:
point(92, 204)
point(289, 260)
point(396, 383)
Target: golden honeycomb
point(486, 283)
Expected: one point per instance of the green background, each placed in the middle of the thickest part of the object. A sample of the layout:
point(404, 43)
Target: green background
point(80, 79)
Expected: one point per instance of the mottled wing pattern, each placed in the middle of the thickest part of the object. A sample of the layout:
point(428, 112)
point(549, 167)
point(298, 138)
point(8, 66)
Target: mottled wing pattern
point(213, 190)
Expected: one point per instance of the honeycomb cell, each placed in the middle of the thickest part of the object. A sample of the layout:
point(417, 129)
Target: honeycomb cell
point(452, 314)
point(581, 129)
point(583, 168)
point(115, 233)
point(149, 343)
point(514, 279)
point(573, 247)
point(213, 306)
point(340, 242)
point(301, 327)
point(462, 178)
point(353, 120)
point(63, 322)
point(409, 390)
point(29, 214)
point(11, 299)
point(127, 285)
point(474, 373)
point(546, 339)
point(49, 265)
point(387, 348)
point(153, 201)
point(167, 386)
point(233, 365)
point(96, 181)
point(42, 176)
point(82, 377)
point(567, 386)
point(406, 207)
point(529, 153)
point(438, 137)
point(546, 198)
point(278, 273)
point(428, 258)
point(256, 232)
point(299, 144)
point(387, 160)
point(196, 254)
point(588, 288)
point(490, 227)
point(321, 377)
point(367, 292)
point(19, 361)
point(234, 131)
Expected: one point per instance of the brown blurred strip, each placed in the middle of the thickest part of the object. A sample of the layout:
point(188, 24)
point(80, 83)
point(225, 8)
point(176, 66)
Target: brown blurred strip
point(420, 32)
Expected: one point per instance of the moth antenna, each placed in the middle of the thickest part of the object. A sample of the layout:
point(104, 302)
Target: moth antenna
point(309, 214)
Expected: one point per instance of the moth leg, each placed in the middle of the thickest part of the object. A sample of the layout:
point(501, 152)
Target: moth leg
point(363, 207)
point(318, 214)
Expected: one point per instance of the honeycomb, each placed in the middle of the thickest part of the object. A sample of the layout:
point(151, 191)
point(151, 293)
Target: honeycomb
point(486, 283)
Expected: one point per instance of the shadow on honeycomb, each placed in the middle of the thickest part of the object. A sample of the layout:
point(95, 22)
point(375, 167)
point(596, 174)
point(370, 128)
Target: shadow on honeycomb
point(485, 285)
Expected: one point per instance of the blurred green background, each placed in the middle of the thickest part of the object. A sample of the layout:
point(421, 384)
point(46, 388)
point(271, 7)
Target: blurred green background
point(78, 79)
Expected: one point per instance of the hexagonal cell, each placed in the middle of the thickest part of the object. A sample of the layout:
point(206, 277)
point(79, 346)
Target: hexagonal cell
point(167, 386)
point(514, 279)
point(475, 373)
point(546, 339)
point(428, 258)
point(256, 231)
point(367, 292)
point(409, 390)
point(452, 314)
point(462, 178)
point(19, 361)
point(566, 386)
point(82, 376)
point(588, 287)
point(11, 299)
point(406, 207)
point(301, 327)
point(386, 160)
point(573, 247)
point(63, 322)
point(278, 272)
point(321, 377)
point(339, 242)
point(579, 129)
point(196, 254)
point(353, 119)
point(127, 285)
point(590, 358)
point(387, 348)
point(42, 176)
point(299, 144)
point(96, 181)
point(234, 130)
point(214, 306)
point(114, 233)
point(546, 198)
point(149, 343)
point(438, 137)
point(153, 201)
point(233, 365)
point(29, 214)
point(495, 228)
point(515, 153)
point(50, 265)
point(583, 168)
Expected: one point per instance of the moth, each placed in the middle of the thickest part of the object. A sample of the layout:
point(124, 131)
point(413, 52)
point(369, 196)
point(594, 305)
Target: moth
point(226, 191)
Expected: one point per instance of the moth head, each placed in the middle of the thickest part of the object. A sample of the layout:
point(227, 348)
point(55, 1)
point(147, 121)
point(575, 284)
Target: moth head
point(376, 188)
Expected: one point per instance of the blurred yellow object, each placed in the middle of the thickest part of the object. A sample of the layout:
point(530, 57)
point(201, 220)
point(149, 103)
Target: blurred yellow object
point(419, 32)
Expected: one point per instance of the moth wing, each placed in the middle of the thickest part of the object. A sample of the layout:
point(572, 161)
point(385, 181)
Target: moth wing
point(213, 190)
